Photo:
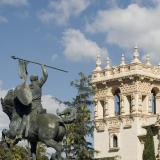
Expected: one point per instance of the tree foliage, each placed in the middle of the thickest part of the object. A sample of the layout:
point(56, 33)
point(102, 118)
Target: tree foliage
point(148, 152)
point(41, 152)
point(17, 152)
point(13, 152)
point(77, 141)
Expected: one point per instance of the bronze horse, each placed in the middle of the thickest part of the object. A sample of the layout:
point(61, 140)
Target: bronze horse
point(46, 128)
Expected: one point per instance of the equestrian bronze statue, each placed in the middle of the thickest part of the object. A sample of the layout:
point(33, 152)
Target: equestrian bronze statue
point(29, 120)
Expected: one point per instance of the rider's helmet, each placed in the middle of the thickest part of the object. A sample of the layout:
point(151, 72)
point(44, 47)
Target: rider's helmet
point(33, 78)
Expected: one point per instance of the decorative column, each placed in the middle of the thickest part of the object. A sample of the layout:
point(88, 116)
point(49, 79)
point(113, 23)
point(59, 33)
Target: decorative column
point(111, 109)
point(122, 104)
point(106, 107)
point(136, 102)
point(139, 103)
point(150, 103)
point(96, 109)
point(133, 103)
point(157, 103)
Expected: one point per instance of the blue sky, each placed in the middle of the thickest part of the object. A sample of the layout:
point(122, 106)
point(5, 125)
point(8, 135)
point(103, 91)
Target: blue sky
point(70, 33)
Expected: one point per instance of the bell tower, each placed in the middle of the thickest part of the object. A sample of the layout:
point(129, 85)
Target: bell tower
point(127, 98)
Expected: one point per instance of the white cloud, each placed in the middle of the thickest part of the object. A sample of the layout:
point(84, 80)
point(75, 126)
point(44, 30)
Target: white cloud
point(126, 27)
point(52, 104)
point(78, 47)
point(14, 2)
point(60, 11)
point(4, 120)
point(3, 19)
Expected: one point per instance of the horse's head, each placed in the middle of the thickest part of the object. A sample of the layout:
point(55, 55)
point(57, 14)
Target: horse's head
point(68, 115)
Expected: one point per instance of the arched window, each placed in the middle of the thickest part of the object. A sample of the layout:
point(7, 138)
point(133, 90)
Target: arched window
point(115, 141)
point(153, 101)
point(117, 102)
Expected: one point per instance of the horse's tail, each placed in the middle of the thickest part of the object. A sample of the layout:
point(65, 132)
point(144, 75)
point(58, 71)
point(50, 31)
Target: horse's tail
point(8, 103)
point(68, 115)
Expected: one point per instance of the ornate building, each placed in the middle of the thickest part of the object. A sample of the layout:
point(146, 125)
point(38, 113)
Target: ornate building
point(127, 98)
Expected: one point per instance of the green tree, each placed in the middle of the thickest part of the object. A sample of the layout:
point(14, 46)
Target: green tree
point(148, 152)
point(16, 152)
point(13, 153)
point(77, 141)
point(41, 152)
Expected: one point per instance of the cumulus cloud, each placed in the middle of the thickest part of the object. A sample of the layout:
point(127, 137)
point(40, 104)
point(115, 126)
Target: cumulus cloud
point(60, 11)
point(4, 120)
point(78, 47)
point(3, 19)
point(129, 26)
point(52, 104)
point(14, 2)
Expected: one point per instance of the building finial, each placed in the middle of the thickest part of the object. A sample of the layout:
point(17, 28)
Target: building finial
point(107, 63)
point(98, 63)
point(136, 55)
point(122, 60)
point(148, 60)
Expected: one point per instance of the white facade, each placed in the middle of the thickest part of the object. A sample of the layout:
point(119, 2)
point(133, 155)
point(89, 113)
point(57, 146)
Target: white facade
point(127, 99)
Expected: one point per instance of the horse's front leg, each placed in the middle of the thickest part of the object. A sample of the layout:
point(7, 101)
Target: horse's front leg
point(33, 150)
point(55, 145)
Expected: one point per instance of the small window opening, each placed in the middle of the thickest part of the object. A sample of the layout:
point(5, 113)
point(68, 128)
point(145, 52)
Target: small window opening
point(115, 141)
point(153, 102)
point(117, 102)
